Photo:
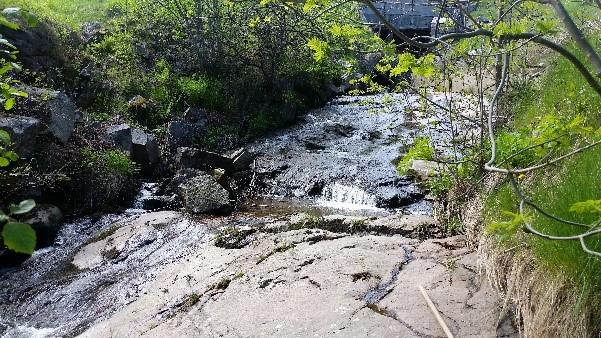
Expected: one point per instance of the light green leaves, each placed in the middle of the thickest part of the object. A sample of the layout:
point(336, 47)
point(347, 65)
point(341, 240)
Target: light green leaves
point(509, 227)
point(504, 28)
point(319, 48)
point(420, 150)
point(6, 156)
point(590, 206)
point(4, 137)
point(310, 5)
point(22, 208)
point(422, 66)
point(19, 237)
point(8, 24)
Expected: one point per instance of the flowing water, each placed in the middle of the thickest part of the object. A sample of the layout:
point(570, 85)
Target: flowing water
point(338, 159)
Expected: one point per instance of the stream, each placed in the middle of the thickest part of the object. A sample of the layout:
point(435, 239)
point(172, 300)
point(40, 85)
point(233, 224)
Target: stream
point(337, 161)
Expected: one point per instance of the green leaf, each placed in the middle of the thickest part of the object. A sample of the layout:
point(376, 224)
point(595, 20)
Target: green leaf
point(3, 217)
point(9, 104)
point(22, 208)
point(4, 22)
point(507, 228)
point(11, 156)
point(4, 162)
point(19, 237)
point(4, 137)
point(318, 47)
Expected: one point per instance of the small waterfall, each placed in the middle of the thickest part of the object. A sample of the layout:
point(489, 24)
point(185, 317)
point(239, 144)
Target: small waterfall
point(146, 191)
point(340, 196)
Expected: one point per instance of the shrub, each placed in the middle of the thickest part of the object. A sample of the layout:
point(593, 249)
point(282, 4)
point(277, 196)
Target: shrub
point(420, 150)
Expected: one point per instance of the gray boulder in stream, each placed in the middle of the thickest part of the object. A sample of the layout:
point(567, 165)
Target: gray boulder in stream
point(203, 194)
point(145, 149)
point(120, 136)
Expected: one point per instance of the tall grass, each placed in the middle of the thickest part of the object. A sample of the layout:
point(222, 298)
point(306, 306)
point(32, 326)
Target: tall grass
point(561, 91)
point(69, 12)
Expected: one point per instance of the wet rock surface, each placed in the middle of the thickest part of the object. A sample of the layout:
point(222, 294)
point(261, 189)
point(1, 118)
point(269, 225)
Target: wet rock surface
point(161, 274)
point(344, 154)
point(341, 254)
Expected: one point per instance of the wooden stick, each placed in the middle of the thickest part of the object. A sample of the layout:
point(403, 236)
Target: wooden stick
point(434, 310)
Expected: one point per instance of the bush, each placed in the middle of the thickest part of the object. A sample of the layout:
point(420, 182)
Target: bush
point(420, 150)
point(205, 91)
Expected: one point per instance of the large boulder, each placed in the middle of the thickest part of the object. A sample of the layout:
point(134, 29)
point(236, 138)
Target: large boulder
point(201, 159)
point(424, 170)
point(182, 134)
point(55, 109)
point(194, 158)
point(202, 194)
point(46, 220)
point(35, 41)
point(241, 159)
point(23, 131)
point(140, 146)
point(120, 136)
point(145, 149)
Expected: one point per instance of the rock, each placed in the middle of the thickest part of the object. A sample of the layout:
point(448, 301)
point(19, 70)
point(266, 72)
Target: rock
point(171, 186)
point(155, 203)
point(196, 115)
point(121, 137)
point(423, 169)
point(92, 31)
point(145, 149)
point(313, 146)
point(339, 129)
point(23, 131)
point(202, 194)
point(122, 239)
point(201, 159)
point(391, 197)
point(35, 41)
point(241, 159)
point(182, 134)
point(54, 108)
point(46, 220)
point(319, 283)
point(189, 130)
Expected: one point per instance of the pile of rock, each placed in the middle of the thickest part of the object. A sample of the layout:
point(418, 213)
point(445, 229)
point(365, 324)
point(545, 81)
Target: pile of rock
point(140, 146)
point(203, 181)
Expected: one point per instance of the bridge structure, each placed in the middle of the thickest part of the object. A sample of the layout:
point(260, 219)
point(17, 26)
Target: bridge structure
point(417, 17)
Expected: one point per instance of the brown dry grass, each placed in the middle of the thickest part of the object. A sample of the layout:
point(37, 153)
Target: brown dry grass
point(544, 304)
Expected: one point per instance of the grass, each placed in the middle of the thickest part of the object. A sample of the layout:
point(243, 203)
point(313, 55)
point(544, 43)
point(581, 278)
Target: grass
point(561, 91)
point(70, 12)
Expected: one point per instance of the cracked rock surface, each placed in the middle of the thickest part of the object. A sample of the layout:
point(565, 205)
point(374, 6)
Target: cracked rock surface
point(161, 275)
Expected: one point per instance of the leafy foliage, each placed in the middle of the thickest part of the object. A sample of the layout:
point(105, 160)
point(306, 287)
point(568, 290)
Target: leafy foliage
point(420, 150)
point(19, 237)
